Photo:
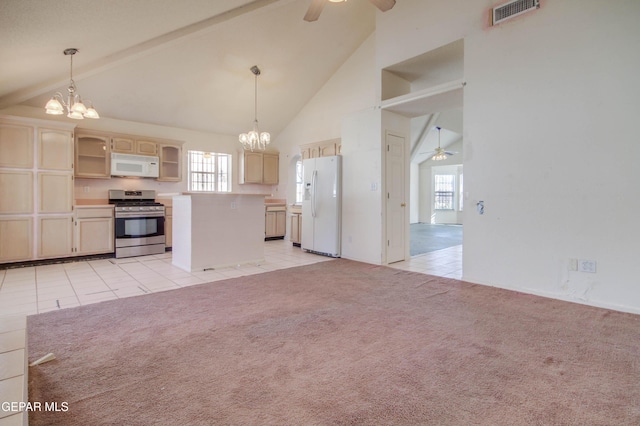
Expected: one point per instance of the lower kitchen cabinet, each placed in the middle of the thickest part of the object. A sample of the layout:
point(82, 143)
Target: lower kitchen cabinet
point(55, 234)
point(94, 230)
point(168, 226)
point(275, 221)
point(16, 239)
point(296, 229)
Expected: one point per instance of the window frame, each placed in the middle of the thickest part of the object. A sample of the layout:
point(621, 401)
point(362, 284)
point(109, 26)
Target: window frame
point(444, 197)
point(211, 163)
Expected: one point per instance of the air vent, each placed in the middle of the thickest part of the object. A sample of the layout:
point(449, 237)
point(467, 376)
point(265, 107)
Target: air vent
point(512, 9)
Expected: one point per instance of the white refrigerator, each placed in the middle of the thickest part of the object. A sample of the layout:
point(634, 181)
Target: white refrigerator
point(321, 205)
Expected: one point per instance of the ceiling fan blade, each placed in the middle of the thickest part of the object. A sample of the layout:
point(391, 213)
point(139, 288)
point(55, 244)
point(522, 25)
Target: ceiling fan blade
point(451, 152)
point(313, 13)
point(383, 5)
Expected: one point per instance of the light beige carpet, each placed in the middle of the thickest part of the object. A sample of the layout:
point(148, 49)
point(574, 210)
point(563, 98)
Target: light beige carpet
point(338, 342)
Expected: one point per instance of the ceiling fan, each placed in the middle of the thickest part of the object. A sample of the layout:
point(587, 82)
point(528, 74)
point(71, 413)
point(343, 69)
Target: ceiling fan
point(313, 13)
point(440, 153)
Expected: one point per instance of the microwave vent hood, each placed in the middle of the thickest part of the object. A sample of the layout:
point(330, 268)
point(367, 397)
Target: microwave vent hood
point(128, 165)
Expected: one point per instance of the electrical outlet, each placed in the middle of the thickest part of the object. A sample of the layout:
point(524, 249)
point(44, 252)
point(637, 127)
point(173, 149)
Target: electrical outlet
point(234, 205)
point(587, 266)
point(573, 264)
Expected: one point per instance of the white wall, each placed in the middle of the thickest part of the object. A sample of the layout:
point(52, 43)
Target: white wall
point(550, 140)
point(344, 108)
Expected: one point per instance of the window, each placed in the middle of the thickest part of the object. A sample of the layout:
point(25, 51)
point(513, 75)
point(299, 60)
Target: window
point(209, 171)
point(444, 191)
point(299, 182)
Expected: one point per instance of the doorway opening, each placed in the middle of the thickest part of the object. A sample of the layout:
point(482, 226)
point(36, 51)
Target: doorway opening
point(428, 91)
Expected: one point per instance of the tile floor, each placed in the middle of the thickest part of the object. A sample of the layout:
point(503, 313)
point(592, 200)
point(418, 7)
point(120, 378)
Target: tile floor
point(37, 289)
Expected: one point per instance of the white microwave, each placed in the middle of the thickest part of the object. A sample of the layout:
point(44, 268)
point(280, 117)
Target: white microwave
point(134, 165)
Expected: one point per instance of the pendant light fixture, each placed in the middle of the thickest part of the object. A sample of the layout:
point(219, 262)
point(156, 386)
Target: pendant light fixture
point(75, 108)
point(254, 140)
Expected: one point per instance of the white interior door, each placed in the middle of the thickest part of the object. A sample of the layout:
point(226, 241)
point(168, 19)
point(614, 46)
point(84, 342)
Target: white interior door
point(395, 200)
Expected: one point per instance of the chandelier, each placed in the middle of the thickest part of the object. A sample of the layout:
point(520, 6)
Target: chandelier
point(254, 140)
point(75, 108)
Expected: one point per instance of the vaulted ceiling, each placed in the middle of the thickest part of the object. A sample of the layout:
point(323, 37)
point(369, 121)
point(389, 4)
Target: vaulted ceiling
point(178, 63)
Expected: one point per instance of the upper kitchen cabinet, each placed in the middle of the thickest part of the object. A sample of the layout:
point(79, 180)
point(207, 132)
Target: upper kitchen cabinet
point(134, 145)
point(16, 145)
point(93, 159)
point(170, 162)
point(270, 168)
point(93, 153)
point(259, 167)
point(55, 149)
point(321, 149)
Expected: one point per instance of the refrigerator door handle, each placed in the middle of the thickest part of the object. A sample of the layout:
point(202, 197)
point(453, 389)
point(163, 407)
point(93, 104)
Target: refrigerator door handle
point(314, 179)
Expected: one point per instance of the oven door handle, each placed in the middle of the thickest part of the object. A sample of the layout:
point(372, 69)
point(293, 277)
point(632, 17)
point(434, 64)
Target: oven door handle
point(141, 215)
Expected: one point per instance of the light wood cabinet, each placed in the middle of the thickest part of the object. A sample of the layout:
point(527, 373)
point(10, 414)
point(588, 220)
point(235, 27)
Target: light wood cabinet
point(321, 149)
point(123, 145)
point(132, 145)
point(16, 239)
point(259, 167)
point(55, 236)
point(251, 167)
point(146, 147)
point(55, 192)
point(168, 226)
point(270, 168)
point(296, 229)
point(16, 145)
point(36, 189)
point(93, 153)
point(170, 163)
point(93, 159)
point(16, 192)
point(93, 230)
point(55, 149)
point(275, 222)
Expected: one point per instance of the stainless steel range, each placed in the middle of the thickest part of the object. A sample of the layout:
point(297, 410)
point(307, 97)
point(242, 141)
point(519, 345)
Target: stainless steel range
point(139, 223)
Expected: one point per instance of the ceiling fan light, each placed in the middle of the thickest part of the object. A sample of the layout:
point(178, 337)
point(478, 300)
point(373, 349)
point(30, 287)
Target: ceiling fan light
point(54, 107)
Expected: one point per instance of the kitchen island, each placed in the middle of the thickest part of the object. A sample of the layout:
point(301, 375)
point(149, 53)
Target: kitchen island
point(215, 230)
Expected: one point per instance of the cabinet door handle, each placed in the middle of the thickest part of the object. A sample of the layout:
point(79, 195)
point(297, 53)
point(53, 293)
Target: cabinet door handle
point(403, 204)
